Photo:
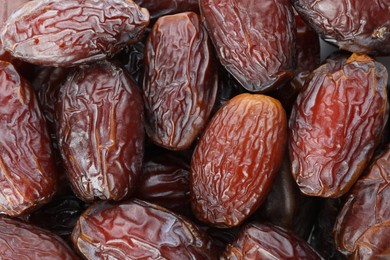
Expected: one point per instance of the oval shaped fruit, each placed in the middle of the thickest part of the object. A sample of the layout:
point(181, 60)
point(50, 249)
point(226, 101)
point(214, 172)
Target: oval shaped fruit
point(72, 32)
point(336, 124)
point(100, 131)
point(138, 230)
point(256, 48)
point(180, 81)
point(20, 240)
point(27, 172)
point(353, 25)
point(237, 158)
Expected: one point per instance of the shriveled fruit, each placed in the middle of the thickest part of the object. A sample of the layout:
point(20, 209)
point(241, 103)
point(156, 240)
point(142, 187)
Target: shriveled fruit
point(165, 7)
point(256, 48)
point(138, 230)
point(100, 131)
point(336, 124)
point(180, 81)
point(236, 159)
point(27, 171)
point(72, 32)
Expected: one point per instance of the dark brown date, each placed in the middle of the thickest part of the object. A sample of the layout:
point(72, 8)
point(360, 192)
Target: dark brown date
point(258, 50)
point(27, 171)
point(138, 230)
point(336, 124)
point(236, 159)
point(100, 131)
point(165, 7)
point(72, 32)
point(353, 25)
point(180, 81)
point(264, 241)
point(20, 240)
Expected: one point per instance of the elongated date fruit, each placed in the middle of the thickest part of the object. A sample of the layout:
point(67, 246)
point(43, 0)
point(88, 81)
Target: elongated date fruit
point(336, 124)
point(265, 241)
point(353, 25)
point(138, 230)
point(27, 171)
point(237, 158)
point(366, 206)
point(19, 240)
point(180, 81)
point(100, 131)
point(72, 32)
point(257, 50)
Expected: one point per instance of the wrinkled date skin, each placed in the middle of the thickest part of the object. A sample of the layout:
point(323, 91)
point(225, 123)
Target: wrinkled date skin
point(367, 206)
point(257, 50)
point(72, 32)
point(264, 241)
point(20, 240)
point(138, 230)
point(100, 131)
point(27, 171)
point(180, 82)
point(336, 124)
point(164, 7)
point(353, 25)
point(236, 159)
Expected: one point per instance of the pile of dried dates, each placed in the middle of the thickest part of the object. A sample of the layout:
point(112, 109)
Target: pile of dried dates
point(194, 129)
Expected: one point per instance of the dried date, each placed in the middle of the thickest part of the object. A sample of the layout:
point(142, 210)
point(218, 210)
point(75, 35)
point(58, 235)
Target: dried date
point(165, 7)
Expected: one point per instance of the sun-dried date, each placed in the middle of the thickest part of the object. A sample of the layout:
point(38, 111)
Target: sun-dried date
point(100, 131)
point(256, 48)
point(353, 25)
point(336, 124)
point(27, 171)
point(236, 159)
point(367, 205)
point(138, 230)
point(72, 32)
point(180, 81)
point(264, 241)
point(20, 240)
point(165, 7)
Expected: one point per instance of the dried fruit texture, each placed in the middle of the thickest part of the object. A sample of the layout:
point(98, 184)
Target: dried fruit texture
point(180, 81)
point(256, 48)
point(367, 206)
point(100, 131)
point(73, 32)
point(353, 25)
point(236, 159)
point(20, 240)
point(262, 241)
point(27, 173)
point(165, 7)
point(138, 230)
point(336, 124)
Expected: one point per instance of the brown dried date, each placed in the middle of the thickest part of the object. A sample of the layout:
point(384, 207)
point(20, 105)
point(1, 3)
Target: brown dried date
point(336, 124)
point(20, 240)
point(258, 50)
point(180, 81)
point(27, 171)
point(237, 158)
point(72, 32)
point(100, 131)
point(165, 7)
point(138, 230)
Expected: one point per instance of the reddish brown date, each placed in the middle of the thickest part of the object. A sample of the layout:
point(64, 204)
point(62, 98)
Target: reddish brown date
point(353, 25)
point(180, 81)
point(259, 51)
point(72, 32)
point(27, 172)
point(366, 207)
point(165, 7)
point(100, 131)
point(19, 240)
point(336, 124)
point(138, 230)
point(263, 241)
point(236, 159)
